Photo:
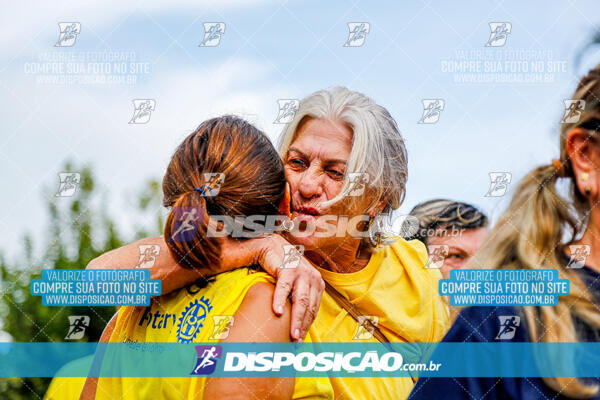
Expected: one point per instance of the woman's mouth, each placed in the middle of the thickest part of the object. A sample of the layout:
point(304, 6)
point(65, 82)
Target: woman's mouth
point(306, 213)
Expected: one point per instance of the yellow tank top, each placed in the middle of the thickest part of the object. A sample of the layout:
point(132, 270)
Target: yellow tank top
point(402, 294)
point(168, 320)
point(69, 388)
point(394, 286)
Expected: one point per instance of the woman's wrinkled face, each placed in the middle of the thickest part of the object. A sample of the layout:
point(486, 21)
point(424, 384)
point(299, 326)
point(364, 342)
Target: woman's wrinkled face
point(315, 165)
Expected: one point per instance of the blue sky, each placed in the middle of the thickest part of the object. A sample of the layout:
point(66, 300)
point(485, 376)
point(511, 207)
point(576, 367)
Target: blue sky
point(279, 50)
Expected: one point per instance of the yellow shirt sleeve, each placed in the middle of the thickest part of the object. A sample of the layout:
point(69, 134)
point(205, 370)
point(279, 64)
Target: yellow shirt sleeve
point(441, 313)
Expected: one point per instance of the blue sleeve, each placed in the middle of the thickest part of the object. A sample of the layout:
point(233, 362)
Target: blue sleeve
point(473, 324)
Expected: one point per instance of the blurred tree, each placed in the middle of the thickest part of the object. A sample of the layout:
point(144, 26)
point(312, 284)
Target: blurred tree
point(78, 232)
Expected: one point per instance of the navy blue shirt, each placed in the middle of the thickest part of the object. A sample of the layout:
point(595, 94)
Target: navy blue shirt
point(481, 324)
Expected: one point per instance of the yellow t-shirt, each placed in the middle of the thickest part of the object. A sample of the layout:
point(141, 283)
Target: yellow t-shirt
point(397, 288)
point(164, 322)
point(69, 388)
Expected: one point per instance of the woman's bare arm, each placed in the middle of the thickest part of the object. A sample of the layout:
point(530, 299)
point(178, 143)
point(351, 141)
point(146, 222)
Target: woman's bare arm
point(165, 268)
point(255, 322)
point(304, 281)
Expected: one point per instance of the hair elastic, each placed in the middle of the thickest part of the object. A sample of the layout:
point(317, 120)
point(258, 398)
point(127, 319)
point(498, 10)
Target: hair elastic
point(201, 190)
point(559, 168)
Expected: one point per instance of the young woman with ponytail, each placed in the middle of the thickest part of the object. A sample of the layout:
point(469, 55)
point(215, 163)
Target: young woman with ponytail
point(537, 231)
point(254, 184)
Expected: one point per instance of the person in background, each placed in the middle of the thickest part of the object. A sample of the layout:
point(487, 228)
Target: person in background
point(451, 229)
point(543, 228)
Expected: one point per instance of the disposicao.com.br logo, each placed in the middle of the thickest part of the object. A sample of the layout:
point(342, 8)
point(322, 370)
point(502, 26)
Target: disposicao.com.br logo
point(370, 361)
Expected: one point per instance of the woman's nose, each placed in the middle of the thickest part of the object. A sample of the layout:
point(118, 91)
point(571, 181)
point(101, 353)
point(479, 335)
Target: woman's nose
point(311, 184)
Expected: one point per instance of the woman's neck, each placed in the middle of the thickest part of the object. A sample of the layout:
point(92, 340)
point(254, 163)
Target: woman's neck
point(342, 259)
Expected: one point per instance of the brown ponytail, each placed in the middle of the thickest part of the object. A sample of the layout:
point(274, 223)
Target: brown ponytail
point(253, 184)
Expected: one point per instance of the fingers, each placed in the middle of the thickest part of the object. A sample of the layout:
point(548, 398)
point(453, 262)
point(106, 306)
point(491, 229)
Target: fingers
point(316, 292)
point(303, 282)
point(300, 305)
point(283, 289)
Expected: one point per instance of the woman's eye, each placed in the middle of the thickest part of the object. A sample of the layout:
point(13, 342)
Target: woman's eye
point(296, 161)
point(335, 173)
point(457, 256)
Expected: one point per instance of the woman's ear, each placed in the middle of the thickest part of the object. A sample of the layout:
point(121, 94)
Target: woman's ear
point(284, 205)
point(379, 207)
point(584, 156)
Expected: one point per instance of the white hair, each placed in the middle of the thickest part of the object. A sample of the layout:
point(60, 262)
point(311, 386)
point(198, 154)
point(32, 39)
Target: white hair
point(377, 145)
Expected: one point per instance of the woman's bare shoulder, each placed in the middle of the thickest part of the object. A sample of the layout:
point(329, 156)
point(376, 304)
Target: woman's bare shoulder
point(255, 320)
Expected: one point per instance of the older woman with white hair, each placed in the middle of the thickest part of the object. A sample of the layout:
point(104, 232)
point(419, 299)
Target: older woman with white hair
point(346, 165)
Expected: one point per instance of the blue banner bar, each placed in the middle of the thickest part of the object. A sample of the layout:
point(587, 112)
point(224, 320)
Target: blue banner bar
point(308, 359)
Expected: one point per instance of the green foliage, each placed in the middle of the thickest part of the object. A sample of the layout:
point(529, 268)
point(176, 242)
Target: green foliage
point(78, 232)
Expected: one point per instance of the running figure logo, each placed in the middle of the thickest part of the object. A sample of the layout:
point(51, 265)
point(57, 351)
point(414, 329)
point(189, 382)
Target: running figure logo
point(287, 110)
point(291, 255)
point(222, 326)
point(366, 327)
point(357, 33)
point(68, 33)
point(498, 183)
point(213, 180)
point(579, 253)
point(498, 34)
point(432, 108)
point(77, 325)
point(405, 226)
point(69, 181)
point(573, 110)
point(207, 359)
point(508, 326)
point(212, 34)
point(437, 255)
point(186, 221)
point(148, 254)
point(142, 110)
point(357, 182)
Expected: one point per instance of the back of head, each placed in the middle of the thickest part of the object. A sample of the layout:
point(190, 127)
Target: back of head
point(437, 215)
point(226, 167)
